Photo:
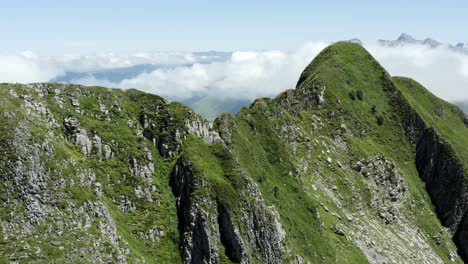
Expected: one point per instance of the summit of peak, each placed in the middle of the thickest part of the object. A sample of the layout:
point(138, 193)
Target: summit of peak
point(405, 37)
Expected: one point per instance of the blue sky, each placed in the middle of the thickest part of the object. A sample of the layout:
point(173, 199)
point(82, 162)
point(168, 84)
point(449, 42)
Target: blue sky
point(272, 42)
point(50, 27)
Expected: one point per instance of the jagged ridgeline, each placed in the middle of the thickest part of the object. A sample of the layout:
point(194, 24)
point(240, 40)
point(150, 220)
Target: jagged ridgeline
point(352, 166)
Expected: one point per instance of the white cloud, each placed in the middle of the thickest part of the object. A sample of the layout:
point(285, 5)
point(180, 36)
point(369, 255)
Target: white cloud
point(256, 74)
point(244, 74)
point(441, 70)
point(464, 67)
point(92, 81)
point(73, 62)
point(26, 67)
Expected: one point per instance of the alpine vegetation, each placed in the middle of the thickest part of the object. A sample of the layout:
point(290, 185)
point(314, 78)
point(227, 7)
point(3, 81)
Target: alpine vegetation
point(351, 166)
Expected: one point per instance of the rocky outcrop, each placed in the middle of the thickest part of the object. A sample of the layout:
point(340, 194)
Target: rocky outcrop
point(202, 129)
point(144, 171)
point(88, 141)
point(204, 222)
point(230, 236)
point(34, 185)
point(386, 184)
point(444, 177)
point(446, 183)
point(264, 230)
point(321, 97)
point(198, 226)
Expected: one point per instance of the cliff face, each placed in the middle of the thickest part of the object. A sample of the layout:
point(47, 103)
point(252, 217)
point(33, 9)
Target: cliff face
point(441, 157)
point(444, 177)
point(335, 170)
point(198, 228)
point(214, 219)
point(446, 184)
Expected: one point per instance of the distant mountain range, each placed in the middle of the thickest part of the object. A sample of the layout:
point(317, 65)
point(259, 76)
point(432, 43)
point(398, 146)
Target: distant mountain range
point(406, 39)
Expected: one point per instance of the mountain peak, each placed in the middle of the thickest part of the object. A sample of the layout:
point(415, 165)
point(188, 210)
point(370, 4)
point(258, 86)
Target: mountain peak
point(431, 42)
point(338, 57)
point(405, 37)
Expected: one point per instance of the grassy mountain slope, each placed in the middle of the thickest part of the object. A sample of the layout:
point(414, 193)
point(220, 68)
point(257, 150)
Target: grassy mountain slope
point(330, 172)
point(442, 158)
point(87, 192)
point(335, 159)
point(445, 118)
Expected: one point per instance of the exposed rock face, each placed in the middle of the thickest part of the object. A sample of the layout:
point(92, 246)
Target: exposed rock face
point(202, 129)
point(78, 135)
point(263, 227)
point(66, 185)
point(88, 141)
point(321, 97)
point(34, 193)
point(461, 237)
point(446, 184)
point(386, 183)
point(198, 226)
point(205, 222)
point(230, 236)
point(144, 171)
point(444, 176)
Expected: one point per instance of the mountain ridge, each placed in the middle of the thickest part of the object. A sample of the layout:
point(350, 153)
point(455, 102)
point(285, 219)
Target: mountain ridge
point(405, 39)
point(334, 170)
point(204, 102)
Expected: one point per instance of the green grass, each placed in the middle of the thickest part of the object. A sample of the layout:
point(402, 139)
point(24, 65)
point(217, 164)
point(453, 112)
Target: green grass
point(263, 154)
point(267, 143)
point(264, 157)
point(113, 174)
point(449, 124)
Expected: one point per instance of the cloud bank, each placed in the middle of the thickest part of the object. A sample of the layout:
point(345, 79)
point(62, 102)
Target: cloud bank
point(441, 70)
point(241, 74)
point(245, 75)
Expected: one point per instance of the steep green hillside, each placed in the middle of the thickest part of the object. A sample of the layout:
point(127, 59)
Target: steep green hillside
point(447, 119)
point(352, 166)
point(442, 158)
point(335, 160)
point(80, 180)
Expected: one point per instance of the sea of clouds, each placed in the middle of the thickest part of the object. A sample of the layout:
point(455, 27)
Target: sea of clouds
point(241, 74)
